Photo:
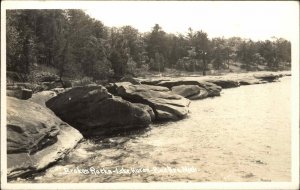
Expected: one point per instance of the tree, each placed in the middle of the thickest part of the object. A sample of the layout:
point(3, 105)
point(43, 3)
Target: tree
point(134, 43)
point(222, 51)
point(119, 52)
point(283, 51)
point(88, 45)
point(14, 42)
point(77, 45)
point(200, 42)
point(20, 40)
point(157, 47)
point(178, 49)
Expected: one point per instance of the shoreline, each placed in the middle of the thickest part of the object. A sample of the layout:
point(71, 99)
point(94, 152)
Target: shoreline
point(167, 105)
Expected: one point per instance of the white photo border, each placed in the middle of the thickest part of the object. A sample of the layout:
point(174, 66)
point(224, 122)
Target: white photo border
point(293, 184)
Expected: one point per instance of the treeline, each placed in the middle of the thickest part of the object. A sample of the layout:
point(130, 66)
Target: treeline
point(77, 45)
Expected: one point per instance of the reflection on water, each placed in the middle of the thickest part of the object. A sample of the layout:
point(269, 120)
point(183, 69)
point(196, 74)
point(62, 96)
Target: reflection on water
point(244, 135)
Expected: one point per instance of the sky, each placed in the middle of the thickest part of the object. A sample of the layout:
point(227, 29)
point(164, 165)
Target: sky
point(254, 20)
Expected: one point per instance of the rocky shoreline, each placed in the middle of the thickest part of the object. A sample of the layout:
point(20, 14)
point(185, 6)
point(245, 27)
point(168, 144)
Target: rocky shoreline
point(45, 127)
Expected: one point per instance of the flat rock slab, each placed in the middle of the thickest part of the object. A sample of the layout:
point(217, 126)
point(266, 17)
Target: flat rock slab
point(165, 104)
point(94, 111)
point(267, 77)
point(186, 90)
point(212, 89)
point(251, 81)
point(224, 83)
point(35, 137)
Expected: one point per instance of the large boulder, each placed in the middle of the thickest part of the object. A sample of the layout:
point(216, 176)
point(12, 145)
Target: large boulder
point(22, 94)
point(212, 89)
point(203, 93)
point(165, 104)
point(34, 87)
point(94, 111)
point(36, 138)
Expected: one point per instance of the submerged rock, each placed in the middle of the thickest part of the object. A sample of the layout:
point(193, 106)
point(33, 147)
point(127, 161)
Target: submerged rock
point(94, 111)
point(165, 104)
point(36, 138)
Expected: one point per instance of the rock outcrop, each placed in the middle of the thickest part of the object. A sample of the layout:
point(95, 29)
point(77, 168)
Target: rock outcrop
point(22, 94)
point(224, 83)
point(203, 93)
point(36, 138)
point(192, 92)
point(165, 104)
point(250, 81)
point(267, 77)
point(212, 89)
point(42, 97)
point(94, 111)
point(186, 90)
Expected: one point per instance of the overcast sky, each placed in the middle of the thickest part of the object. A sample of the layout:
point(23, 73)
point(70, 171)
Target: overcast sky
point(247, 19)
point(255, 20)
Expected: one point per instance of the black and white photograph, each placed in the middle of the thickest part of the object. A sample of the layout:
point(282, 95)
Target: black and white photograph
point(149, 95)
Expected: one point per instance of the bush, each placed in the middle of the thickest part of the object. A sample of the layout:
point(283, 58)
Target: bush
point(142, 71)
point(83, 82)
point(86, 80)
point(15, 77)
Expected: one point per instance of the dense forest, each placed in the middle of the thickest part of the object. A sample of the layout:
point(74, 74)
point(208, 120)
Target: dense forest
point(73, 45)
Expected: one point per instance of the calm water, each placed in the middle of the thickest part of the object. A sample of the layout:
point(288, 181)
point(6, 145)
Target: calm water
point(244, 135)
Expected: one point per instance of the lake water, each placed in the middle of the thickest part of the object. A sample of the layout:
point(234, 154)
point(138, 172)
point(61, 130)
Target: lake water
point(243, 135)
